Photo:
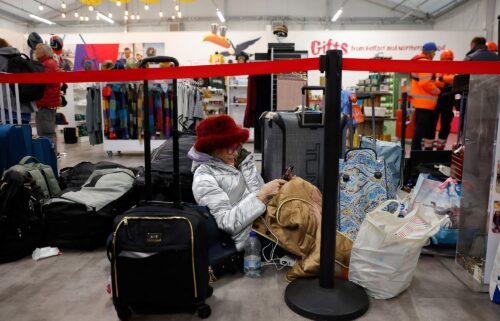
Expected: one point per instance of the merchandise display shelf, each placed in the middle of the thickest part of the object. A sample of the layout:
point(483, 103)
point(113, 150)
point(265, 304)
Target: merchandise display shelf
point(129, 145)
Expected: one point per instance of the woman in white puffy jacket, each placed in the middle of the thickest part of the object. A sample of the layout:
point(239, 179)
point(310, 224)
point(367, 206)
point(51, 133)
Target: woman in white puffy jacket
point(226, 179)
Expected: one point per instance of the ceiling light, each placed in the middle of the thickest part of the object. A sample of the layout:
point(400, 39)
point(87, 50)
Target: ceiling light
point(173, 17)
point(125, 17)
point(82, 18)
point(132, 17)
point(42, 19)
point(103, 17)
point(76, 14)
point(97, 17)
point(161, 14)
point(40, 7)
point(337, 15)
point(63, 5)
point(91, 8)
point(137, 17)
point(86, 18)
point(110, 15)
point(126, 12)
point(221, 16)
point(146, 7)
point(179, 14)
point(118, 3)
point(177, 7)
point(63, 15)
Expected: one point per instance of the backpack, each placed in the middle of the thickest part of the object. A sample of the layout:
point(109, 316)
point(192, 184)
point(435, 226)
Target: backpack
point(162, 164)
point(20, 63)
point(42, 174)
point(21, 223)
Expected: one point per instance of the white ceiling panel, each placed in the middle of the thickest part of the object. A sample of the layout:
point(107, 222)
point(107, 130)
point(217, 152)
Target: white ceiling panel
point(307, 11)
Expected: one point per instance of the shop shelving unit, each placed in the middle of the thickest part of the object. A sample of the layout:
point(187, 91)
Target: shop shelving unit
point(237, 98)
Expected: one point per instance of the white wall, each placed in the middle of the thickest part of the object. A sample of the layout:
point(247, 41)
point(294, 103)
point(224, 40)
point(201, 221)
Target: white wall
point(13, 33)
point(476, 15)
point(189, 48)
point(470, 16)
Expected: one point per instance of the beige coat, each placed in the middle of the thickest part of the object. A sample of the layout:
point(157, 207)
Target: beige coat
point(294, 217)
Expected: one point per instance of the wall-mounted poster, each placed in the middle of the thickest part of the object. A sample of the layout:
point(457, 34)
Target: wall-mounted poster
point(90, 56)
point(131, 54)
point(127, 55)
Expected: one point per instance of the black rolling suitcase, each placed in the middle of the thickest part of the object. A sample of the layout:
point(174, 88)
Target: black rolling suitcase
point(159, 251)
point(160, 260)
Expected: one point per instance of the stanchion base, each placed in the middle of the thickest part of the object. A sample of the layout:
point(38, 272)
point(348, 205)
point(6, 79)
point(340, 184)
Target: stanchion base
point(346, 301)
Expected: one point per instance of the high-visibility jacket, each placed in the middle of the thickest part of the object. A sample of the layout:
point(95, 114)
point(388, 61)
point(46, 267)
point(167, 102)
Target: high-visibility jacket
point(444, 80)
point(424, 91)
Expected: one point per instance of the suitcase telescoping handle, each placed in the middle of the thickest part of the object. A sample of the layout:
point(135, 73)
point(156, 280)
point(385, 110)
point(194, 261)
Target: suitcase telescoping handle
point(5, 89)
point(305, 103)
point(147, 134)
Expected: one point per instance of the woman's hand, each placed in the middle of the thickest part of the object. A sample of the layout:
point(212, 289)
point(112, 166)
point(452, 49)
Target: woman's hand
point(268, 190)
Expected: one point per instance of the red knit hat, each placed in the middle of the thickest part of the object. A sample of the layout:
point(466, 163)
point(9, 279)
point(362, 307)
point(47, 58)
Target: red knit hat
point(219, 132)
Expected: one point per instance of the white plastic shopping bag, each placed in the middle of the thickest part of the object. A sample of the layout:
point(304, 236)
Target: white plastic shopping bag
point(386, 251)
point(495, 279)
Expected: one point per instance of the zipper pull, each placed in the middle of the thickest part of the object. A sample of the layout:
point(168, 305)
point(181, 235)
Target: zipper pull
point(125, 223)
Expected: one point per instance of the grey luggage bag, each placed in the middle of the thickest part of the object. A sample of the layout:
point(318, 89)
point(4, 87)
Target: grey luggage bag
point(296, 139)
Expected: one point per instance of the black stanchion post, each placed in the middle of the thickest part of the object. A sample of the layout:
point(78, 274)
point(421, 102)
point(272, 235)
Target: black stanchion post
point(331, 145)
point(498, 36)
point(404, 113)
point(329, 299)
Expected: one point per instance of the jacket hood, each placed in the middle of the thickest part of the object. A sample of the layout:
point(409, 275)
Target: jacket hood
point(8, 51)
point(476, 48)
point(200, 158)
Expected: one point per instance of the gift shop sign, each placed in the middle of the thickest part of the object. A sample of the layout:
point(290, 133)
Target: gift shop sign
point(320, 47)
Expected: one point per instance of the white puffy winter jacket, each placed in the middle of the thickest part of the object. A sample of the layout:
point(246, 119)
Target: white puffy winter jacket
point(229, 193)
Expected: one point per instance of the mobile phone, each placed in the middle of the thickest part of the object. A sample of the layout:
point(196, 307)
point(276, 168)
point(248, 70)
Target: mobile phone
point(288, 173)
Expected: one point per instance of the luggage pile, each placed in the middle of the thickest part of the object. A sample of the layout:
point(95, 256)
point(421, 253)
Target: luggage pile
point(369, 177)
point(148, 241)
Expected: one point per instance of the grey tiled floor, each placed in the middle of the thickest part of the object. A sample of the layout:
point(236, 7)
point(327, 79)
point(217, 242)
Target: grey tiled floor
point(71, 287)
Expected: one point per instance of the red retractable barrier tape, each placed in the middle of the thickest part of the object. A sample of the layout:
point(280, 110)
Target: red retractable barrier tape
point(256, 68)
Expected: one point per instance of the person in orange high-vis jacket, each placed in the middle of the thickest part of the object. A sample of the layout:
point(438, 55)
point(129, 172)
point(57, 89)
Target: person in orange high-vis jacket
point(445, 103)
point(424, 93)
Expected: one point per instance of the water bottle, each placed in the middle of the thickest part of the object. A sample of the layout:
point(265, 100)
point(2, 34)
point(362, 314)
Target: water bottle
point(251, 261)
point(402, 211)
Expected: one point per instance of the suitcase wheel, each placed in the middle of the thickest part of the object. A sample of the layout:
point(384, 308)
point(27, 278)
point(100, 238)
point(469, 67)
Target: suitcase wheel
point(204, 311)
point(124, 313)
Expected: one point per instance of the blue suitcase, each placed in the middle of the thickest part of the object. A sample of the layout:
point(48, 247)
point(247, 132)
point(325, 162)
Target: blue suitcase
point(44, 152)
point(15, 143)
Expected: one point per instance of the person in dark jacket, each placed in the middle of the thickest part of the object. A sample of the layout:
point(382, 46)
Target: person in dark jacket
point(446, 101)
point(479, 51)
point(47, 106)
point(26, 108)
